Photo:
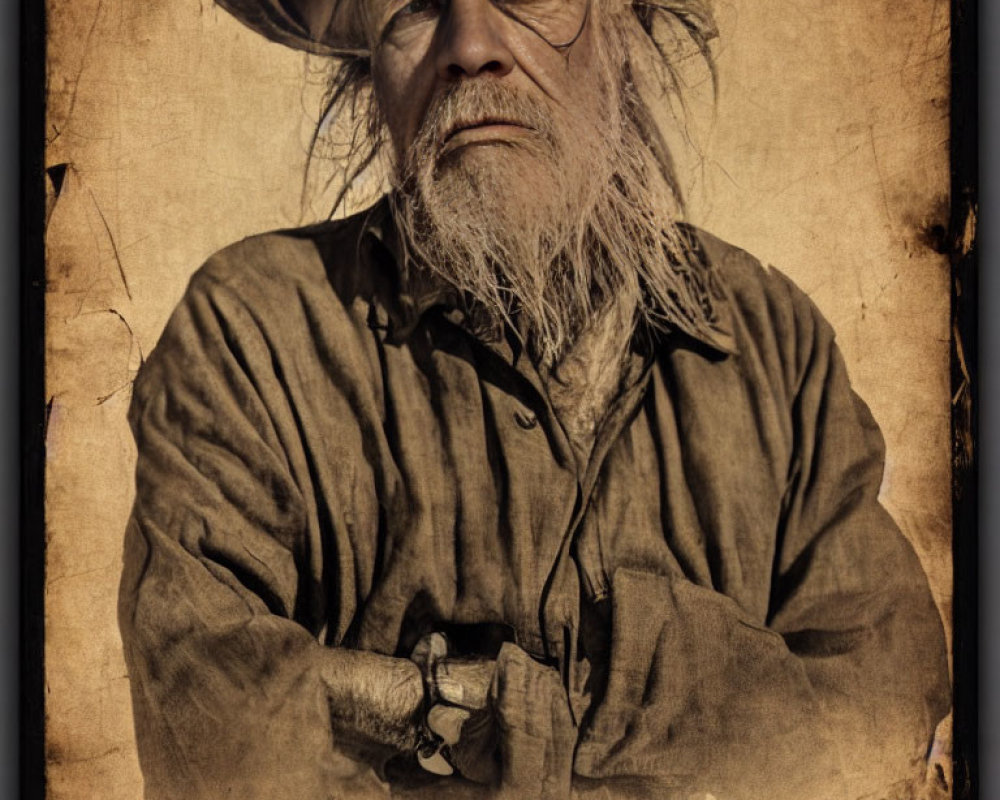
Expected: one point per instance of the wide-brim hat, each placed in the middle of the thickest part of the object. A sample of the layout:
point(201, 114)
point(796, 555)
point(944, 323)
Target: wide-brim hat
point(335, 28)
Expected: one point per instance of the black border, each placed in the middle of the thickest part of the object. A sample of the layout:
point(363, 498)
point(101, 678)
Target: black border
point(27, 285)
point(32, 397)
point(965, 391)
point(989, 377)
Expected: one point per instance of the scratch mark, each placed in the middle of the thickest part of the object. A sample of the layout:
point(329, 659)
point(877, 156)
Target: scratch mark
point(142, 358)
point(724, 171)
point(815, 172)
point(48, 416)
point(79, 74)
point(881, 177)
point(105, 397)
point(70, 575)
point(960, 355)
point(84, 297)
point(114, 247)
point(88, 138)
point(133, 341)
point(968, 233)
point(932, 17)
point(117, 313)
point(83, 759)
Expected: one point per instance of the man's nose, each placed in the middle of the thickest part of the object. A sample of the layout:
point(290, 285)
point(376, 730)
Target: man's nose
point(471, 41)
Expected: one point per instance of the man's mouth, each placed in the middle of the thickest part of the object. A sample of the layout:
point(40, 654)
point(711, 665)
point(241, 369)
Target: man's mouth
point(485, 130)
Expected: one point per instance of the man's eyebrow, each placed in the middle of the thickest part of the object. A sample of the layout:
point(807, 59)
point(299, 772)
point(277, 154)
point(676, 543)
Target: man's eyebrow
point(379, 11)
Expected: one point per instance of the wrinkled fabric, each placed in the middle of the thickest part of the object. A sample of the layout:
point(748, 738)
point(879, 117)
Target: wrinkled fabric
point(332, 457)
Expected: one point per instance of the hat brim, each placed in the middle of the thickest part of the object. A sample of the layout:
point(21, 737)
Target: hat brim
point(335, 27)
point(323, 27)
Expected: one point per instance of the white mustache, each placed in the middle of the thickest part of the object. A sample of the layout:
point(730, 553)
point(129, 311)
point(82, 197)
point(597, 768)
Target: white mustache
point(478, 103)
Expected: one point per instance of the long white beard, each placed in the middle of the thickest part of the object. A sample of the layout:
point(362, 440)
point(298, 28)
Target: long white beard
point(545, 235)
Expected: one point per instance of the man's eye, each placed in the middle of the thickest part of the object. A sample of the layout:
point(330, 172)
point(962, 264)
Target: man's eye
point(417, 10)
point(411, 15)
point(416, 7)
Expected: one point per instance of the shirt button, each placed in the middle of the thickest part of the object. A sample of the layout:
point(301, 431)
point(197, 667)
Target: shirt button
point(526, 419)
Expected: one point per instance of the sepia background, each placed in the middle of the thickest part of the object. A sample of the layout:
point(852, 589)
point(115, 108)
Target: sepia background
point(173, 130)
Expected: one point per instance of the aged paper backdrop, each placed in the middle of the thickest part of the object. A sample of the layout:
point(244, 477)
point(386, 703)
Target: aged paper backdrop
point(174, 131)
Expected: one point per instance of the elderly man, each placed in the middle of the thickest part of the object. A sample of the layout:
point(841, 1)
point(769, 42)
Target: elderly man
point(513, 485)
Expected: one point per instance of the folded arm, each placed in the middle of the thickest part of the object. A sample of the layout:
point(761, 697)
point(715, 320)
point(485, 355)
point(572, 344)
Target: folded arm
point(234, 693)
point(837, 691)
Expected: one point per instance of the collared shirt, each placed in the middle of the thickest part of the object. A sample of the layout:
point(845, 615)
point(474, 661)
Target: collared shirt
point(334, 455)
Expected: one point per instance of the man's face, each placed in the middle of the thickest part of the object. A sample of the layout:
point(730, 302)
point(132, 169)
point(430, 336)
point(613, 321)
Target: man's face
point(523, 178)
point(474, 89)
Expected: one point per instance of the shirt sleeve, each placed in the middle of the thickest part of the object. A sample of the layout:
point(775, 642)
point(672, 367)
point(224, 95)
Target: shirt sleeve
point(850, 598)
point(229, 688)
point(836, 694)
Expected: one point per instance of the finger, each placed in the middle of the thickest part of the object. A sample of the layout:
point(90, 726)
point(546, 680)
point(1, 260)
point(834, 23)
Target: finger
point(447, 722)
point(430, 648)
point(436, 764)
point(464, 683)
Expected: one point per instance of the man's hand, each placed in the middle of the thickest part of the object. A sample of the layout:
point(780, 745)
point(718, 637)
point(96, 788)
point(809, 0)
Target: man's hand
point(504, 722)
point(464, 719)
point(460, 716)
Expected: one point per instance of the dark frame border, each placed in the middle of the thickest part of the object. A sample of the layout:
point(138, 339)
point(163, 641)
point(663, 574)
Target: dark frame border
point(32, 397)
point(961, 244)
point(963, 253)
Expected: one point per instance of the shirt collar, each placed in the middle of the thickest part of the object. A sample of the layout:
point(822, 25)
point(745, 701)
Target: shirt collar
point(417, 291)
